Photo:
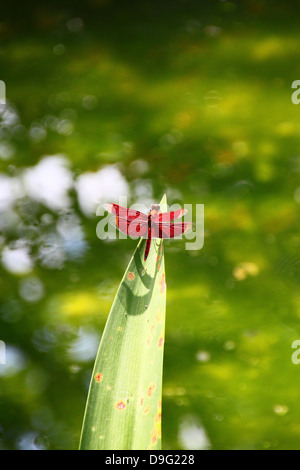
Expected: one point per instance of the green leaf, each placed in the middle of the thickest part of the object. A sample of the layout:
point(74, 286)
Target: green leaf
point(123, 410)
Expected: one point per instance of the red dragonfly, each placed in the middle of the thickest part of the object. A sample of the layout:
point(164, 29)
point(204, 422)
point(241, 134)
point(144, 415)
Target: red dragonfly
point(153, 225)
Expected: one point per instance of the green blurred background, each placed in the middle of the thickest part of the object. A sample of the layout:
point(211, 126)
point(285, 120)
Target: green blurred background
point(187, 98)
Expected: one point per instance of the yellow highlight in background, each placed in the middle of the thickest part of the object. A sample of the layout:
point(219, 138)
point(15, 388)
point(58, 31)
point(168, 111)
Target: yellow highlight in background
point(83, 304)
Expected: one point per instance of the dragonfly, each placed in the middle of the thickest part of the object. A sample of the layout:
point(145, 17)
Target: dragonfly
point(155, 224)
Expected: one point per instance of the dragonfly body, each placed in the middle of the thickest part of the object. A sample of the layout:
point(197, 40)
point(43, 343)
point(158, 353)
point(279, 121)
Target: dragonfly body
point(155, 224)
point(152, 213)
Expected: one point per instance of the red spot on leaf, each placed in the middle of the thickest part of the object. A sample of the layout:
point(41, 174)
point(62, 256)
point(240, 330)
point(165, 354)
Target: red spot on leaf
point(146, 410)
point(162, 283)
point(150, 390)
point(130, 276)
point(153, 436)
point(120, 405)
point(98, 377)
point(160, 342)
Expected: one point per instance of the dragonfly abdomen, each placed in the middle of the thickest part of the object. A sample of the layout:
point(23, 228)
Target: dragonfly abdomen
point(148, 243)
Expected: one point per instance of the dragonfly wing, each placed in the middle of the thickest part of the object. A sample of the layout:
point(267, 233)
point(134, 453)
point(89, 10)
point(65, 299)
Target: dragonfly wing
point(124, 213)
point(169, 216)
point(131, 228)
point(161, 230)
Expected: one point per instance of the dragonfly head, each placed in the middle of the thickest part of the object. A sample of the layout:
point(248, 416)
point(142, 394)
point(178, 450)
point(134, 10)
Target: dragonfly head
point(154, 209)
